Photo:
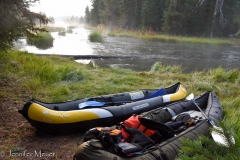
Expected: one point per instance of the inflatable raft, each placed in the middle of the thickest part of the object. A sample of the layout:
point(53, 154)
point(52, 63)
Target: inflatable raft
point(76, 115)
point(167, 149)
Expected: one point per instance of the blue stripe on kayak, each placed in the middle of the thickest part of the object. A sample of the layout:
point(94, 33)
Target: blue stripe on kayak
point(160, 92)
point(91, 103)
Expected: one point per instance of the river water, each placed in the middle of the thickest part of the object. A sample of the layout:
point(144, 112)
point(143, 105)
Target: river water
point(189, 57)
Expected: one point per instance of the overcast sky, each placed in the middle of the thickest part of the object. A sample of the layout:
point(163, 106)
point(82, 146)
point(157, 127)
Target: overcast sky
point(62, 8)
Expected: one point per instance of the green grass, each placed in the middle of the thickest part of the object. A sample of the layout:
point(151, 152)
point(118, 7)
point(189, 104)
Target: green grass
point(158, 68)
point(50, 71)
point(95, 36)
point(43, 41)
point(152, 36)
point(56, 79)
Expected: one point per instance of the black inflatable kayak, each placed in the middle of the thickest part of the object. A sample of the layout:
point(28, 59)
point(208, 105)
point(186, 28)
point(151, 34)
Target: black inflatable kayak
point(169, 148)
point(106, 110)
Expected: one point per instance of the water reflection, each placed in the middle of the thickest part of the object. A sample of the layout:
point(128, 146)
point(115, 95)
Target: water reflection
point(190, 57)
point(75, 43)
point(188, 65)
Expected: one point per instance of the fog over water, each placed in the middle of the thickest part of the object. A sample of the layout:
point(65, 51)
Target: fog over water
point(190, 57)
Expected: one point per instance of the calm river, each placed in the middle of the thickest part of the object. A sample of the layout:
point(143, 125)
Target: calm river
point(190, 57)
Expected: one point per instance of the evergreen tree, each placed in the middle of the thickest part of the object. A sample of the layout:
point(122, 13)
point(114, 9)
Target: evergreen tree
point(219, 17)
point(203, 19)
point(130, 13)
point(111, 12)
point(144, 13)
point(237, 19)
point(16, 19)
point(173, 18)
point(231, 10)
point(95, 12)
point(152, 14)
point(189, 19)
point(207, 149)
point(101, 8)
point(224, 19)
point(87, 16)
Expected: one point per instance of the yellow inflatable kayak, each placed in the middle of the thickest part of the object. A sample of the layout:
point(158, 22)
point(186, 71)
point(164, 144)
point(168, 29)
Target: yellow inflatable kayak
point(106, 110)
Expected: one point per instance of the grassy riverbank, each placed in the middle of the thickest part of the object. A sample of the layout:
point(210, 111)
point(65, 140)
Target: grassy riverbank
point(151, 36)
point(52, 79)
point(154, 36)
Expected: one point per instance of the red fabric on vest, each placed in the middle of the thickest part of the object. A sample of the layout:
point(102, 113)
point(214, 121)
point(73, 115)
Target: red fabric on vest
point(133, 122)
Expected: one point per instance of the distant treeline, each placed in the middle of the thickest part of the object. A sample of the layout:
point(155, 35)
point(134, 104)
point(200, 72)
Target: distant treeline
point(202, 18)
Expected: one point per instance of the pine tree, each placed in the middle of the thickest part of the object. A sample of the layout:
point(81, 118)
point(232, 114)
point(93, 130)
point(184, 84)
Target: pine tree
point(87, 16)
point(101, 8)
point(219, 17)
point(205, 148)
point(111, 13)
point(176, 17)
point(237, 19)
point(130, 13)
point(188, 19)
point(144, 13)
point(173, 17)
point(16, 20)
point(95, 13)
point(230, 10)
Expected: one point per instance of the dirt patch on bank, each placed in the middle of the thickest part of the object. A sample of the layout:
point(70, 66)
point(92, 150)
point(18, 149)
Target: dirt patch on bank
point(19, 140)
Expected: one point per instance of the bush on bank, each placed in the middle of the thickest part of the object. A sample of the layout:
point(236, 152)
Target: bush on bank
point(95, 36)
point(43, 41)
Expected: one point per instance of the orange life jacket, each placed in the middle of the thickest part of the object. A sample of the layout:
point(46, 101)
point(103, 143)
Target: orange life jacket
point(133, 122)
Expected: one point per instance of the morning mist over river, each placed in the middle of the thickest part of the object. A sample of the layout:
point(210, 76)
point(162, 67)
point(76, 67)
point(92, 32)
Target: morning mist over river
point(191, 57)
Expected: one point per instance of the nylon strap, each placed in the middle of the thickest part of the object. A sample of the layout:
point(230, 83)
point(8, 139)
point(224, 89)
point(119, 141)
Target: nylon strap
point(162, 155)
point(170, 111)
